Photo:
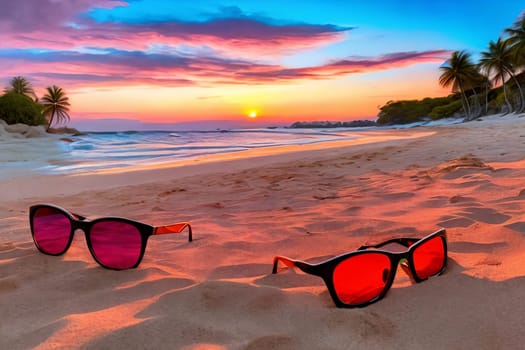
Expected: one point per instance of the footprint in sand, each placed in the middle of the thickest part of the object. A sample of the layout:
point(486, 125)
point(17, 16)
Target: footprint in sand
point(435, 202)
point(489, 262)
point(217, 205)
point(517, 226)
point(460, 199)
point(455, 222)
point(275, 342)
point(175, 190)
point(486, 215)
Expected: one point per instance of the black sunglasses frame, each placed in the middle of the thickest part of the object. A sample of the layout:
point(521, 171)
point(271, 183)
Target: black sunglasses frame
point(325, 269)
point(80, 222)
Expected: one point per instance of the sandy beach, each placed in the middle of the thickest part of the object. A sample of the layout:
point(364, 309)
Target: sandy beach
point(307, 203)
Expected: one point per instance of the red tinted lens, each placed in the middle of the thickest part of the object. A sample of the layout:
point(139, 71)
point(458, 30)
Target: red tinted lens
point(51, 230)
point(116, 244)
point(362, 277)
point(429, 257)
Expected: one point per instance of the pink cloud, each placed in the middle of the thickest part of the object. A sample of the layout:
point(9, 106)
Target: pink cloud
point(362, 65)
point(124, 67)
point(245, 36)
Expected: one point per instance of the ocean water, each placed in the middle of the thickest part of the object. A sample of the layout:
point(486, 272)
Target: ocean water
point(103, 150)
point(107, 150)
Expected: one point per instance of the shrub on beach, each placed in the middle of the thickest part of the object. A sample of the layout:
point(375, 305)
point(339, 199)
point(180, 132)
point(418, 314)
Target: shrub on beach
point(498, 104)
point(17, 108)
point(405, 112)
point(445, 111)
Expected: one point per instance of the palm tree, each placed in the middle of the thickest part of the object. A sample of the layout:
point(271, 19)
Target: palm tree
point(22, 86)
point(516, 40)
point(56, 105)
point(498, 60)
point(461, 73)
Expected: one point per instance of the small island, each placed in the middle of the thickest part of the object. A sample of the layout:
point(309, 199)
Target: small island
point(328, 124)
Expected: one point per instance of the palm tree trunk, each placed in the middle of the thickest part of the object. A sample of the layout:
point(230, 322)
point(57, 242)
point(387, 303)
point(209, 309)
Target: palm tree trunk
point(486, 100)
point(50, 120)
point(477, 106)
point(466, 105)
point(522, 99)
point(505, 94)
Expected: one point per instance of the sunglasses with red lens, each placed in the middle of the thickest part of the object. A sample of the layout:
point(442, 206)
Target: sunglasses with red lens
point(362, 277)
point(115, 243)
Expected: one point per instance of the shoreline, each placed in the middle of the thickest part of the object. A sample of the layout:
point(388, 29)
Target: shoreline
point(67, 183)
point(51, 155)
point(99, 179)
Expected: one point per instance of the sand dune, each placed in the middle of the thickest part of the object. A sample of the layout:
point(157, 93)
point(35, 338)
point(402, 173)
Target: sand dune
point(218, 292)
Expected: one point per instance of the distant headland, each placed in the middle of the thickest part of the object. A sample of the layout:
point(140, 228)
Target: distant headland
point(327, 124)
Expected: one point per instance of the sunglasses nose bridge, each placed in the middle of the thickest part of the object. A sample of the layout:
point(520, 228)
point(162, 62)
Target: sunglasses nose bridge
point(404, 260)
point(396, 260)
point(80, 225)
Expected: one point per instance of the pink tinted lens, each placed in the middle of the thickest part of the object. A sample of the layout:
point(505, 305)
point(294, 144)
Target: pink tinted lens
point(429, 257)
point(116, 244)
point(51, 230)
point(361, 278)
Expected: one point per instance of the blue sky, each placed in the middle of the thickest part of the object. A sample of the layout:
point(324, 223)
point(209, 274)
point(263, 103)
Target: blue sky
point(467, 23)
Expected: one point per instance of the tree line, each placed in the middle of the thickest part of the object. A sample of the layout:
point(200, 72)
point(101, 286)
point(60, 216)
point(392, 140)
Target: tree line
point(474, 91)
point(20, 104)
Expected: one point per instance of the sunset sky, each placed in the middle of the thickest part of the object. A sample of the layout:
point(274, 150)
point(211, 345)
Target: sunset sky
point(165, 61)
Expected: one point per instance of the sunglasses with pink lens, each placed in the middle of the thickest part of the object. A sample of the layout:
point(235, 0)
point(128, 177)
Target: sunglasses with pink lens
point(115, 243)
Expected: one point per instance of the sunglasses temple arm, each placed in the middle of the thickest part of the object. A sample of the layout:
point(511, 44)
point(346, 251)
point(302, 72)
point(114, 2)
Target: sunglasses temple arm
point(405, 242)
point(174, 228)
point(78, 216)
point(301, 265)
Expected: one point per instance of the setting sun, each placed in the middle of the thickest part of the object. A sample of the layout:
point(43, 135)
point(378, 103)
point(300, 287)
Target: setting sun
point(253, 114)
